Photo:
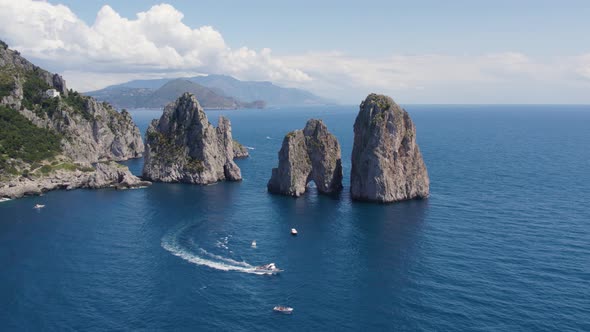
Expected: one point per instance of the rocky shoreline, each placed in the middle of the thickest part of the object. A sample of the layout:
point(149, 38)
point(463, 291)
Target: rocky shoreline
point(104, 175)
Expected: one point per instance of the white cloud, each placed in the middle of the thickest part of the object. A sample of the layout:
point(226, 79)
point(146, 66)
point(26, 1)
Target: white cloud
point(156, 43)
point(508, 77)
point(156, 40)
point(582, 66)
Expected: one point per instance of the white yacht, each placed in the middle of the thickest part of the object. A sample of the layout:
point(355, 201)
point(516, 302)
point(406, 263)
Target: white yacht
point(268, 269)
point(38, 206)
point(293, 231)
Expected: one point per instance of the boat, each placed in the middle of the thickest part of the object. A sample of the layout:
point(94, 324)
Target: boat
point(283, 309)
point(38, 206)
point(293, 231)
point(267, 269)
point(254, 244)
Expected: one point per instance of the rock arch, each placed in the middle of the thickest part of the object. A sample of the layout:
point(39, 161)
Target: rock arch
point(311, 154)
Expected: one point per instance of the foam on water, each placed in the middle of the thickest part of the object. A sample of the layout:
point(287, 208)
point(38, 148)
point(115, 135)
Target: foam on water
point(225, 259)
point(170, 242)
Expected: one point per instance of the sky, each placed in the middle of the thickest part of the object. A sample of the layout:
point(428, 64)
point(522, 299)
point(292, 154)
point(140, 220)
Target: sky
point(424, 51)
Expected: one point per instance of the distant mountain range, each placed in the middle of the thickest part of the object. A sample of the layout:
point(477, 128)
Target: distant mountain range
point(213, 92)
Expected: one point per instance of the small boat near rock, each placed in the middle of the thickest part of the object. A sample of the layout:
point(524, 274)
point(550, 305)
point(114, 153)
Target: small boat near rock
point(283, 309)
point(38, 206)
point(293, 231)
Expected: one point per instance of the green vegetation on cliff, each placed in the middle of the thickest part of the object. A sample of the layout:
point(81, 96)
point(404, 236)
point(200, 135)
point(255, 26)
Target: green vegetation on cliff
point(68, 166)
point(6, 84)
point(21, 139)
point(34, 89)
point(78, 104)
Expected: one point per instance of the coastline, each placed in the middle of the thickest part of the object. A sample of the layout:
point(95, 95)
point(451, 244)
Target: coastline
point(104, 175)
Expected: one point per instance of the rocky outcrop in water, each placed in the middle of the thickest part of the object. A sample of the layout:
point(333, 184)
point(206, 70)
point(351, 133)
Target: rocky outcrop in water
point(182, 146)
point(387, 165)
point(240, 151)
point(311, 154)
point(103, 175)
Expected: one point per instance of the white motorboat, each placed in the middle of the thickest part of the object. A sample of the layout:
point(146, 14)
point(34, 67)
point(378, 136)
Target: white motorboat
point(267, 269)
point(283, 309)
point(293, 231)
point(38, 206)
point(254, 244)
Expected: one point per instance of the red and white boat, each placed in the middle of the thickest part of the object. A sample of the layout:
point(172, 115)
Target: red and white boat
point(283, 309)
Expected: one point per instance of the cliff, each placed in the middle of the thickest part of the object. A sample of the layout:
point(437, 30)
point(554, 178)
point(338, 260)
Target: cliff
point(182, 146)
point(387, 165)
point(45, 130)
point(311, 154)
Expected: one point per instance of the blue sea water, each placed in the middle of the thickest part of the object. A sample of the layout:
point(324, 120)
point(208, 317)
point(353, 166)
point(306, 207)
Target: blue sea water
point(502, 244)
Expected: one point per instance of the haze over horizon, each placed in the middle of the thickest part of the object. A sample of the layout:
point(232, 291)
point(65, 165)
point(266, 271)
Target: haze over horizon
point(458, 52)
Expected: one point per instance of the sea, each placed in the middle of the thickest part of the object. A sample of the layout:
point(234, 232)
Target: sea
point(502, 244)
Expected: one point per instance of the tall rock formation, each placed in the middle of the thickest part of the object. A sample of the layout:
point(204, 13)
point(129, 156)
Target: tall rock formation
point(387, 165)
point(309, 154)
point(182, 146)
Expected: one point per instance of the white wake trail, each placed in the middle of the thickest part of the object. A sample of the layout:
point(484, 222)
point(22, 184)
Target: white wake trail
point(171, 244)
point(225, 259)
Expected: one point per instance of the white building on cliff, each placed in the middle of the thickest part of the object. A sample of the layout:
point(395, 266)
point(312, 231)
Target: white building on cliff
point(52, 93)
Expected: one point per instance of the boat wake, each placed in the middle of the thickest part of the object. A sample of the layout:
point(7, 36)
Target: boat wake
point(172, 243)
point(250, 148)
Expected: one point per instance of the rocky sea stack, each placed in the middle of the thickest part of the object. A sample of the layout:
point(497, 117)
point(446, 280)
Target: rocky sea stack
point(182, 146)
point(309, 154)
point(387, 165)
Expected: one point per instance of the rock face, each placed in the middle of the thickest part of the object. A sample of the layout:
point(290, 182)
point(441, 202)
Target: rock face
point(103, 175)
point(101, 133)
point(182, 146)
point(15, 68)
point(309, 154)
point(89, 132)
point(387, 165)
point(92, 131)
